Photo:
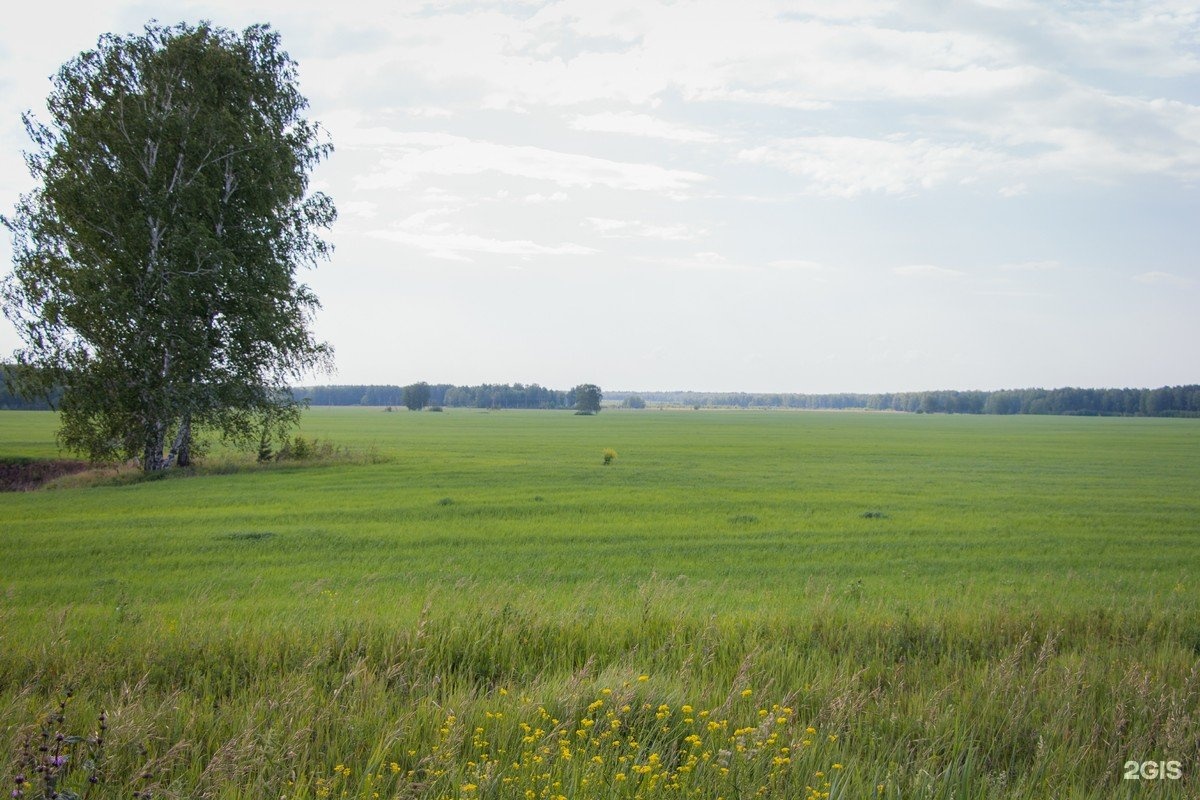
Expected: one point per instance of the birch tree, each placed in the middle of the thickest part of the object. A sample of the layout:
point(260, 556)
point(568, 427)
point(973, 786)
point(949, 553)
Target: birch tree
point(155, 264)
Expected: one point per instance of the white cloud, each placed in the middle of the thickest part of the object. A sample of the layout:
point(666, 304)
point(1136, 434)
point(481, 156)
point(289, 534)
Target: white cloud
point(641, 125)
point(848, 166)
point(429, 112)
point(1152, 38)
point(1157, 278)
point(363, 209)
point(452, 246)
point(537, 198)
point(424, 220)
point(571, 53)
point(1068, 128)
point(942, 97)
point(1031, 266)
point(622, 228)
point(798, 264)
point(1077, 133)
point(813, 271)
point(1011, 293)
point(703, 261)
point(927, 271)
point(445, 154)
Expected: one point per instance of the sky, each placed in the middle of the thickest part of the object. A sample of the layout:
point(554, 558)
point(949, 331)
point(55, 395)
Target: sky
point(760, 196)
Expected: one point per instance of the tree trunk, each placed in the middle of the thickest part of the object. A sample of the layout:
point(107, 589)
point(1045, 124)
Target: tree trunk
point(152, 453)
point(181, 449)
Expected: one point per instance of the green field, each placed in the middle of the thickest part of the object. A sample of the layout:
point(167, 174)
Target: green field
point(763, 604)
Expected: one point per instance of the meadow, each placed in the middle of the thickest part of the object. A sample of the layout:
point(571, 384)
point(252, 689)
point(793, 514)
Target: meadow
point(743, 604)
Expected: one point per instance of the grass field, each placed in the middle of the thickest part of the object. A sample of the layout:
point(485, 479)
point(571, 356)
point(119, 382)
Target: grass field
point(743, 604)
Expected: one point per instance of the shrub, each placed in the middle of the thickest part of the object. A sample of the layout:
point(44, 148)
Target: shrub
point(609, 455)
point(265, 451)
point(300, 449)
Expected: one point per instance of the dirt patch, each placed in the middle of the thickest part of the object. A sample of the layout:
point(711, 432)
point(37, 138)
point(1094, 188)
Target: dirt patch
point(24, 476)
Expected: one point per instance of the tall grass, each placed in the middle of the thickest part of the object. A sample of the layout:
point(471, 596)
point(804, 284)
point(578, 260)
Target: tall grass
point(940, 607)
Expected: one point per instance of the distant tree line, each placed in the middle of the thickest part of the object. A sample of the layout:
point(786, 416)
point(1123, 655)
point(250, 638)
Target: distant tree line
point(1167, 401)
point(14, 402)
point(414, 396)
point(10, 400)
point(419, 395)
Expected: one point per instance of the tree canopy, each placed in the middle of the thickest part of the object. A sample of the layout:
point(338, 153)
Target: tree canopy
point(587, 398)
point(416, 396)
point(154, 275)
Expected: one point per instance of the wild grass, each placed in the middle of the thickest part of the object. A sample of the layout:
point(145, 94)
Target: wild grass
point(957, 607)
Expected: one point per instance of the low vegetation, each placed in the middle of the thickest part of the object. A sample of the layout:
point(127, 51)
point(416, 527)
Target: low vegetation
point(19, 475)
point(751, 605)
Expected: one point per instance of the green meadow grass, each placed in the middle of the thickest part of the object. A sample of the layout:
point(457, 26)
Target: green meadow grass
point(966, 607)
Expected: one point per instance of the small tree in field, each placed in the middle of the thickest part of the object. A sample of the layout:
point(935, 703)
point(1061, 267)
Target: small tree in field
point(416, 396)
point(154, 274)
point(587, 398)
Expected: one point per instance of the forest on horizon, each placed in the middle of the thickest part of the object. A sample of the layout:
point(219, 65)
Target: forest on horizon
point(1165, 401)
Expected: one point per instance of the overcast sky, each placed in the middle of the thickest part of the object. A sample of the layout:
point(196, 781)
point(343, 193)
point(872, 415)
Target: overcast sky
point(800, 196)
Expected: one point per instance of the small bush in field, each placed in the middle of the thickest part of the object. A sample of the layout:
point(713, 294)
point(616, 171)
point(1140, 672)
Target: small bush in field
point(296, 449)
point(610, 456)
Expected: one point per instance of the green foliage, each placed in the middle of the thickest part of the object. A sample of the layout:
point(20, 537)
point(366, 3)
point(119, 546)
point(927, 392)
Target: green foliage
point(610, 455)
point(265, 451)
point(416, 396)
point(587, 398)
point(154, 264)
point(40, 396)
point(515, 395)
point(298, 448)
point(634, 401)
